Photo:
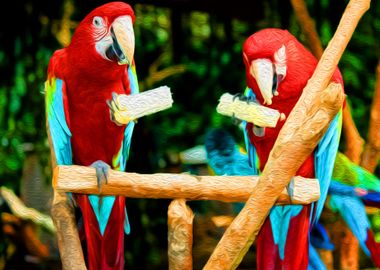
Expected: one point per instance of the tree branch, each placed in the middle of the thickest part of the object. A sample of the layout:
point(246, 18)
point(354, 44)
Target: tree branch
point(19, 209)
point(171, 186)
point(308, 27)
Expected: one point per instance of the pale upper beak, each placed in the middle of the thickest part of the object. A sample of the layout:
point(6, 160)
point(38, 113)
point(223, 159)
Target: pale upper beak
point(262, 71)
point(122, 28)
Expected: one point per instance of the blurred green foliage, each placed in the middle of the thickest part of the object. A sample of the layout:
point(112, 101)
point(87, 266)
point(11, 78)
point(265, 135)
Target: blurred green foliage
point(206, 49)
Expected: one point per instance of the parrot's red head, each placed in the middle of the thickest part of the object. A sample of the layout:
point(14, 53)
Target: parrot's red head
point(277, 66)
point(105, 37)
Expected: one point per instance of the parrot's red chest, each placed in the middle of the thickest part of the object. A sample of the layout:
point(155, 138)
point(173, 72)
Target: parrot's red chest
point(94, 135)
point(265, 143)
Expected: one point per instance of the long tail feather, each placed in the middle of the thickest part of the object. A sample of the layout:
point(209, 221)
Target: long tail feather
point(105, 251)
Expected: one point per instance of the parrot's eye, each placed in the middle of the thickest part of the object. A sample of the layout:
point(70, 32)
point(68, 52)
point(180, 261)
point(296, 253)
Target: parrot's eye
point(97, 21)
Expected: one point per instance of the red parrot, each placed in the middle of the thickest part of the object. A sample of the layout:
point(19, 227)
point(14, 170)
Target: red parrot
point(278, 68)
point(83, 80)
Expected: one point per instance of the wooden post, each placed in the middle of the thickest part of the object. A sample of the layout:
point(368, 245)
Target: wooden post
point(172, 186)
point(304, 128)
point(63, 215)
point(180, 235)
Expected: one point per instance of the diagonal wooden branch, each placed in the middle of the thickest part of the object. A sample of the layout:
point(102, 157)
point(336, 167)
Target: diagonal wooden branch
point(371, 152)
point(308, 27)
point(349, 249)
point(355, 141)
point(300, 134)
point(20, 210)
point(171, 186)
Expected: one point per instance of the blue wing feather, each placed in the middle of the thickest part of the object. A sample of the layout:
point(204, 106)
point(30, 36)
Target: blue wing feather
point(324, 160)
point(352, 209)
point(55, 113)
point(134, 86)
point(252, 155)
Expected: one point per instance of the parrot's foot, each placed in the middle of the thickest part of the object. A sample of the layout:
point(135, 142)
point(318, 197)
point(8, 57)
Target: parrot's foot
point(242, 97)
point(235, 121)
point(118, 115)
point(290, 190)
point(258, 131)
point(102, 173)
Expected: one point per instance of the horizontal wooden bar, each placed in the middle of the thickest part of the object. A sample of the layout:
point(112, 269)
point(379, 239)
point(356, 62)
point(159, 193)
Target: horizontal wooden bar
point(81, 179)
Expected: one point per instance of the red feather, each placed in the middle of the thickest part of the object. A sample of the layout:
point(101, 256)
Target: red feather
point(373, 247)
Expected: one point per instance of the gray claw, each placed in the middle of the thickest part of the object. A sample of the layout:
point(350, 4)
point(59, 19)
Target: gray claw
point(102, 173)
point(235, 121)
point(290, 189)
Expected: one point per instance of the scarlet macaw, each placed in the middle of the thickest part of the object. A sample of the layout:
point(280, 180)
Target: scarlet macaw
point(278, 67)
point(83, 79)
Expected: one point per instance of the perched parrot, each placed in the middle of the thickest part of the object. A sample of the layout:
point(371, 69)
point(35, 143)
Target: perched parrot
point(83, 80)
point(278, 68)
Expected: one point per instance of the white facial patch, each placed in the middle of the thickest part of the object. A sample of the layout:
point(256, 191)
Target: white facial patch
point(101, 36)
point(280, 61)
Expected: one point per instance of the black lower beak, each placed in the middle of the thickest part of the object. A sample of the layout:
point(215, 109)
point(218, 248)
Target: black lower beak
point(114, 52)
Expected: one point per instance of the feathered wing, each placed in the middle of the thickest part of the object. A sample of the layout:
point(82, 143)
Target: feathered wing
point(353, 212)
point(324, 160)
point(253, 160)
point(60, 135)
point(349, 173)
point(134, 88)
point(350, 204)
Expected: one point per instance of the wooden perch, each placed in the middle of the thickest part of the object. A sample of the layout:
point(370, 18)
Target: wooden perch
point(180, 235)
point(171, 186)
point(371, 152)
point(251, 112)
point(19, 209)
point(131, 107)
point(303, 129)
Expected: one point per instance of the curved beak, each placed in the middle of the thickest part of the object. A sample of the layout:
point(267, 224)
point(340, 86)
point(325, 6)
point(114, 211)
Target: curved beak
point(262, 71)
point(123, 39)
